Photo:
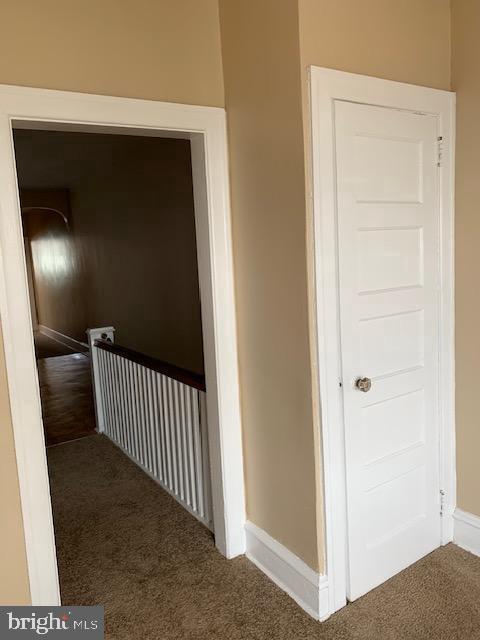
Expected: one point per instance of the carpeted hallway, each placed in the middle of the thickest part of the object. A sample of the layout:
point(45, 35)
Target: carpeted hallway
point(125, 543)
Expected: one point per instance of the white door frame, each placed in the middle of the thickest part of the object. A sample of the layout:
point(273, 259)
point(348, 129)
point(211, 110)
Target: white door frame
point(206, 130)
point(327, 86)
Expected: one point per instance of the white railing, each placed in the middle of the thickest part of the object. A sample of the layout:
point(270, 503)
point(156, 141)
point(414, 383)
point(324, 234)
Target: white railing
point(157, 420)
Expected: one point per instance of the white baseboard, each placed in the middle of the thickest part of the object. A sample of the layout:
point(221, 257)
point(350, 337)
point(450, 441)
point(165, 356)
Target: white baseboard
point(466, 531)
point(65, 340)
point(308, 588)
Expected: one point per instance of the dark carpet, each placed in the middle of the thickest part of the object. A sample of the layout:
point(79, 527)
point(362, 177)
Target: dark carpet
point(125, 543)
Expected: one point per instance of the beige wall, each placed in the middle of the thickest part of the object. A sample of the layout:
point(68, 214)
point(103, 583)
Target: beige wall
point(166, 50)
point(129, 257)
point(14, 588)
point(403, 40)
point(263, 100)
point(466, 82)
point(158, 50)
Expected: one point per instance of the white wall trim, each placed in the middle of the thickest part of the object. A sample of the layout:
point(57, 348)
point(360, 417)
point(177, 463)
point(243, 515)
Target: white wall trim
point(62, 338)
point(328, 85)
point(92, 335)
point(308, 588)
point(205, 127)
point(466, 531)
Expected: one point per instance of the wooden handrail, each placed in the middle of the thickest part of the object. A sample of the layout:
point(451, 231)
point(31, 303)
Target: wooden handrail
point(184, 376)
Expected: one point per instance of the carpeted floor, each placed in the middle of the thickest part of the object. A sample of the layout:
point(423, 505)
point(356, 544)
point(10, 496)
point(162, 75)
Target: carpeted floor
point(124, 543)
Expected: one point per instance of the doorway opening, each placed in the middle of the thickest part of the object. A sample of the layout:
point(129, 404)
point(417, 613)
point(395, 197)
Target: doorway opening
point(140, 405)
point(109, 226)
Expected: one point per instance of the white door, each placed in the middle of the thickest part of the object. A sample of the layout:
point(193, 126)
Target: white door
point(388, 235)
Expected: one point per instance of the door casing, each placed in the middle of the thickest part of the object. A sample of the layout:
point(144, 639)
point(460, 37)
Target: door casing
point(205, 127)
point(326, 87)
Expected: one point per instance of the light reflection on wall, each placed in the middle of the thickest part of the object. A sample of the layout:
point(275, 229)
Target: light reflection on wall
point(59, 281)
point(51, 257)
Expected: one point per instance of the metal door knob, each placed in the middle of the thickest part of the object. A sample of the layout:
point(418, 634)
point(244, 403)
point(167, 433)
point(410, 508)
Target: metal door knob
point(363, 384)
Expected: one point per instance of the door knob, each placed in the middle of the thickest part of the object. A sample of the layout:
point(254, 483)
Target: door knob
point(363, 384)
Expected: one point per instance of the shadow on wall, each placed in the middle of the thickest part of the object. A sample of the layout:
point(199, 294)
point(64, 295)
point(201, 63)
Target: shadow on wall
point(124, 254)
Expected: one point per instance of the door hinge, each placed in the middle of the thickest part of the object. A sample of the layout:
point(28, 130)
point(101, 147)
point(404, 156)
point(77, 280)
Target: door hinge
point(442, 501)
point(439, 150)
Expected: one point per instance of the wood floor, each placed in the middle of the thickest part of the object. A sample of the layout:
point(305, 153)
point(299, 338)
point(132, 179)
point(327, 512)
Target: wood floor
point(46, 347)
point(67, 397)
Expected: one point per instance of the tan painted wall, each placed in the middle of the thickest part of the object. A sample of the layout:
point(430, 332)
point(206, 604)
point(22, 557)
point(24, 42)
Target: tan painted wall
point(166, 50)
point(466, 82)
point(14, 588)
point(129, 257)
point(158, 50)
point(263, 99)
point(403, 40)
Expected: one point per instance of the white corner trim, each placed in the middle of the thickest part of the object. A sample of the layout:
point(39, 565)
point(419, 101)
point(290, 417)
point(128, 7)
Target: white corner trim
point(308, 588)
point(466, 531)
point(62, 338)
